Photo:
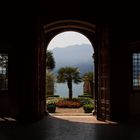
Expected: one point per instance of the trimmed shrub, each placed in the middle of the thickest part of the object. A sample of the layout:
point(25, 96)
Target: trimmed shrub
point(53, 96)
point(86, 95)
point(88, 108)
point(53, 99)
point(85, 100)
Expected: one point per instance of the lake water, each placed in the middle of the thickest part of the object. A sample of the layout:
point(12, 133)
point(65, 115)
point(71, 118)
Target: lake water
point(62, 89)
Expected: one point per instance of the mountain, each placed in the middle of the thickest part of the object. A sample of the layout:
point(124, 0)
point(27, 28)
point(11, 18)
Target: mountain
point(76, 56)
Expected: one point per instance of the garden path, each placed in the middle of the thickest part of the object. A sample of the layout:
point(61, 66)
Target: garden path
point(70, 112)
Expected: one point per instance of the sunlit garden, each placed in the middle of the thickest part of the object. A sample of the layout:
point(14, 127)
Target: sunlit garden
point(71, 76)
point(56, 102)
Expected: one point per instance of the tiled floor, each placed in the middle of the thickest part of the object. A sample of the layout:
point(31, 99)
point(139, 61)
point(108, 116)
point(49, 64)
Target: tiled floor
point(69, 128)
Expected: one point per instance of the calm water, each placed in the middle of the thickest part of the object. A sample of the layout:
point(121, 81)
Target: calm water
point(62, 89)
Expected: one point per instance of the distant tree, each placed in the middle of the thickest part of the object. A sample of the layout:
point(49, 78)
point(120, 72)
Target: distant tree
point(50, 62)
point(89, 83)
point(50, 83)
point(50, 79)
point(69, 75)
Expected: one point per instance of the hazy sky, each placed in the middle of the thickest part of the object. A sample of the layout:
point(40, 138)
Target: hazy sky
point(66, 39)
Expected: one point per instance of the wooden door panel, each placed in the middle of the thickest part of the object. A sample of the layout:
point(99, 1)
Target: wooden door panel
point(103, 99)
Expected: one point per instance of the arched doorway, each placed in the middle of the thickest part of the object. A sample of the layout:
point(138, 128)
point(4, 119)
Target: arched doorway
point(101, 56)
point(70, 49)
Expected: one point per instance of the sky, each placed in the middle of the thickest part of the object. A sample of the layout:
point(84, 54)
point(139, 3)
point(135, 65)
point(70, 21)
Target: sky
point(68, 38)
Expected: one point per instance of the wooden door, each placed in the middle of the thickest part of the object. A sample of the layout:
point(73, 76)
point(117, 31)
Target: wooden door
point(103, 95)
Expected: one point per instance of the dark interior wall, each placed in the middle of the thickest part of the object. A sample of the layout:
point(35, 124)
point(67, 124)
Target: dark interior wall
point(26, 49)
point(134, 47)
point(5, 101)
point(8, 102)
point(18, 29)
point(123, 32)
point(119, 71)
point(19, 33)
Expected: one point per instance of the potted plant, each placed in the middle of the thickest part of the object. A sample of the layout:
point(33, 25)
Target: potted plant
point(88, 108)
point(51, 107)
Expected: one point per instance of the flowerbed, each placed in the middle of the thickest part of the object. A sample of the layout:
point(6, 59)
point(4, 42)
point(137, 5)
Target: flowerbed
point(66, 103)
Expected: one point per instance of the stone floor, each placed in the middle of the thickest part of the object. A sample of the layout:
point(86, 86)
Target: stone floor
point(69, 128)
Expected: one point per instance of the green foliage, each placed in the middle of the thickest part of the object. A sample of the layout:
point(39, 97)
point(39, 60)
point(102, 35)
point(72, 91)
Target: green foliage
point(53, 96)
point(69, 74)
point(85, 100)
point(50, 83)
point(88, 108)
point(89, 76)
point(50, 79)
point(52, 100)
point(85, 96)
point(50, 62)
point(89, 83)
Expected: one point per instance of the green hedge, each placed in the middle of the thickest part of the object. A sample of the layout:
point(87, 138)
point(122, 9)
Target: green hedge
point(85, 100)
point(53, 96)
point(85, 96)
point(88, 108)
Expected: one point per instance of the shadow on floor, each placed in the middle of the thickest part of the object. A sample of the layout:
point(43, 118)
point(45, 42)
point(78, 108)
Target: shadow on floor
point(59, 128)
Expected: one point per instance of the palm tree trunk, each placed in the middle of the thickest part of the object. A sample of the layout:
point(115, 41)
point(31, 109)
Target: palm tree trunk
point(69, 83)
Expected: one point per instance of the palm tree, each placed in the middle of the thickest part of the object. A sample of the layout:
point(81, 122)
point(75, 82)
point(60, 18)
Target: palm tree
point(88, 79)
point(69, 75)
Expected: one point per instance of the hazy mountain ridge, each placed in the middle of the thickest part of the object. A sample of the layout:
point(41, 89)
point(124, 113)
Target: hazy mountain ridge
point(76, 55)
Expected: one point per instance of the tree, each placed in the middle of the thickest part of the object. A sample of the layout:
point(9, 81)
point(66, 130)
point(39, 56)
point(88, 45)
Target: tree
point(69, 75)
point(50, 79)
point(88, 79)
point(50, 62)
point(50, 83)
